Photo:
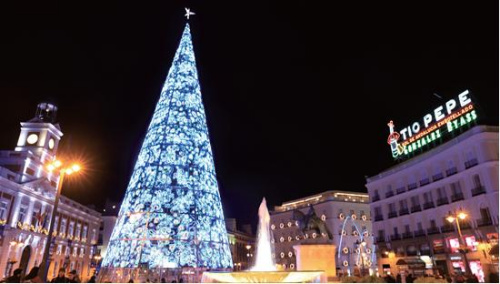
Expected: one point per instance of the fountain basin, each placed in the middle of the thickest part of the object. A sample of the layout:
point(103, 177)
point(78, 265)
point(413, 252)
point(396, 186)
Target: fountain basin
point(265, 277)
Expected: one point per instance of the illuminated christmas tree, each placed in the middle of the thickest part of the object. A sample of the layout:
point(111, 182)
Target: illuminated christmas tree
point(171, 215)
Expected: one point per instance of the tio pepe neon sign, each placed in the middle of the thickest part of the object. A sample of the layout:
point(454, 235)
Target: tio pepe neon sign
point(453, 114)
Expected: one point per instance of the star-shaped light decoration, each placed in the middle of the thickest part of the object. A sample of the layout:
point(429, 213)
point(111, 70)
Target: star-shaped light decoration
point(188, 13)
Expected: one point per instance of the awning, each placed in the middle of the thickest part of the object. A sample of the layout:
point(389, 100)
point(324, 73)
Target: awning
point(413, 263)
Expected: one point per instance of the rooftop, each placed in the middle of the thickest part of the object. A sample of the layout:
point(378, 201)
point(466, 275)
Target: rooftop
point(431, 153)
point(332, 195)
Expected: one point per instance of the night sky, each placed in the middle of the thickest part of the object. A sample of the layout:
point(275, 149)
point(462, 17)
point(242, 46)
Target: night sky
point(297, 96)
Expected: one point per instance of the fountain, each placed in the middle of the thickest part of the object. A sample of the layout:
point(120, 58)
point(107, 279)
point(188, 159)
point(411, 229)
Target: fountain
point(264, 270)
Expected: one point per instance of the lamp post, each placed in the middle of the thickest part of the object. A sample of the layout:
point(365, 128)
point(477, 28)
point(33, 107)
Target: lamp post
point(248, 247)
point(454, 218)
point(63, 171)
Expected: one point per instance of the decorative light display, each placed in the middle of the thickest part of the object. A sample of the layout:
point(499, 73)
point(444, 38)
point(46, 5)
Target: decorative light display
point(171, 215)
point(454, 115)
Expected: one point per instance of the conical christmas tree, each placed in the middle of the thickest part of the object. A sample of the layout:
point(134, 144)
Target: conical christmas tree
point(171, 215)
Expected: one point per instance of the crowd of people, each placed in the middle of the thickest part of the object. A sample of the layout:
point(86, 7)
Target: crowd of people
point(33, 277)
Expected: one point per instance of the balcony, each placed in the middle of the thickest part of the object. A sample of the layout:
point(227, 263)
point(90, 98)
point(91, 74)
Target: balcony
point(433, 230)
point(484, 222)
point(412, 186)
point(457, 197)
point(447, 228)
point(419, 233)
point(407, 235)
point(428, 205)
point(400, 190)
point(395, 237)
point(403, 211)
point(416, 208)
point(478, 190)
point(451, 171)
point(471, 163)
point(442, 201)
point(379, 218)
point(437, 177)
point(393, 214)
point(424, 181)
point(375, 198)
point(388, 194)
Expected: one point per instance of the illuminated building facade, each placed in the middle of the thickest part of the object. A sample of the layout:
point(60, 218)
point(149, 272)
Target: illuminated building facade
point(410, 203)
point(347, 216)
point(171, 216)
point(27, 194)
point(242, 244)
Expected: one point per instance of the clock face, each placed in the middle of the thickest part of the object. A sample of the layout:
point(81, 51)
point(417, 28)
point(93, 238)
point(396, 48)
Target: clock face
point(32, 138)
point(51, 143)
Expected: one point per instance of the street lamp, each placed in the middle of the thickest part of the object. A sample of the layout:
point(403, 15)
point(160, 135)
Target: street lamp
point(248, 247)
point(454, 218)
point(63, 171)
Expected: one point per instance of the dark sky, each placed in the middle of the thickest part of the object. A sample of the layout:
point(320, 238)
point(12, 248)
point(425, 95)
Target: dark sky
point(297, 95)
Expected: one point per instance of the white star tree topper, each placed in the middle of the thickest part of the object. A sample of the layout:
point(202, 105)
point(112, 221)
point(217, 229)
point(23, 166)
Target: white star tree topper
point(188, 13)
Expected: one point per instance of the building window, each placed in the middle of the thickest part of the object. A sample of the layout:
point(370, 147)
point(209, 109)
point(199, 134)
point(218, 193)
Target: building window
point(23, 210)
point(381, 236)
point(419, 226)
point(30, 171)
point(433, 223)
point(4, 208)
point(477, 181)
point(71, 228)
point(62, 228)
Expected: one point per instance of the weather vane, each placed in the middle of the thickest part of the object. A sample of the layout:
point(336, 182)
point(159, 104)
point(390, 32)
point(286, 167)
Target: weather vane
point(188, 13)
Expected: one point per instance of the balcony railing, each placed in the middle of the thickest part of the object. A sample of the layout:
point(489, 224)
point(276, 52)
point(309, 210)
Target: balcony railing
point(478, 190)
point(400, 190)
point(416, 208)
point(447, 228)
point(471, 163)
point(442, 201)
point(437, 177)
point(392, 215)
point(407, 235)
point(379, 218)
point(428, 205)
point(457, 197)
point(395, 237)
point(419, 233)
point(388, 194)
point(432, 230)
point(375, 198)
point(484, 222)
point(451, 171)
point(424, 181)
point(412, 186)
point(404, 211)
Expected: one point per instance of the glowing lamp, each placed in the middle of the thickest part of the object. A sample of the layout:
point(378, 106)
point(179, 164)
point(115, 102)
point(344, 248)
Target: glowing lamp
point(462, 215)
point(450, 219)
point(57, 163)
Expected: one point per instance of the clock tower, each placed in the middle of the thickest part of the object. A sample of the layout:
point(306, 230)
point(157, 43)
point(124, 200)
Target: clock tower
point(41, 135)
